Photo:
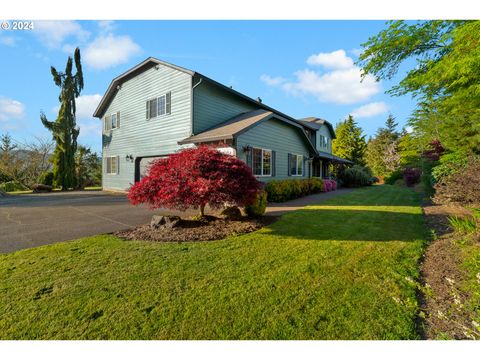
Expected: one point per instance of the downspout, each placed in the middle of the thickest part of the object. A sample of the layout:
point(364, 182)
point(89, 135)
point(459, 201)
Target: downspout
point(191, 110)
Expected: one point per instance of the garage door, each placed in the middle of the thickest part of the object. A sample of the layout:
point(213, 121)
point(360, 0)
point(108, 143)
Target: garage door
point(144, 163)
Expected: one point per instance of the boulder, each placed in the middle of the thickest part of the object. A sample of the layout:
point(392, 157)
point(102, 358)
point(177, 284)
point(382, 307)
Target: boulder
point(165, 222)
point(231, 213)
point(41, 188)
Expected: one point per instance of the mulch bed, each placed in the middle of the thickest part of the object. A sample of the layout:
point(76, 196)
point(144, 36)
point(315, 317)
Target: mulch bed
point(194, 230)
point(442, 275)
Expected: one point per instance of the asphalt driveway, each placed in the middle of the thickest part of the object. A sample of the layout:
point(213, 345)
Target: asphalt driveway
point(38, 219)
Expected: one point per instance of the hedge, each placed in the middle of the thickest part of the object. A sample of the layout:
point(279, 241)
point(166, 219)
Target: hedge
point(284, 190)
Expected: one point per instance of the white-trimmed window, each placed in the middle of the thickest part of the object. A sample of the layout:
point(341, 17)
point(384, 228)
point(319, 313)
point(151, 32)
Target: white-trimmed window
point(261, 162)
point(159, 106)
point(111, 165)
point(111, 121)
point(296, 164)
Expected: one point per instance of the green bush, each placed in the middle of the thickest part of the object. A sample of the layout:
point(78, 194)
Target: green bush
point(10, 186)
point(315, 185)
point(257, 209)
point(356, 176)
point(46, 178)
point(284, 190)
point(391, 178)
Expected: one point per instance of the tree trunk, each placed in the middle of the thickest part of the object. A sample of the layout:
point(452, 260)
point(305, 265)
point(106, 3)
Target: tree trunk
point(202, 210)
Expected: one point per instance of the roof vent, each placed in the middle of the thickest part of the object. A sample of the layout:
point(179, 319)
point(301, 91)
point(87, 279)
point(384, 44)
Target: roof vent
point(259, 99)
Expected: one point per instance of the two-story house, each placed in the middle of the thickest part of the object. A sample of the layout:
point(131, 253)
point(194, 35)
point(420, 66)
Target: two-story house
point(156, 108)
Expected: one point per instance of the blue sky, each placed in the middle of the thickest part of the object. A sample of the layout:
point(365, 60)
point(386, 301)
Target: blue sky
point(302, 68)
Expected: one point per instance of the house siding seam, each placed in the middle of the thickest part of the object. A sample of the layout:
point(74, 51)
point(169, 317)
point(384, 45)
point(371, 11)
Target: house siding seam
point(141, 137)
point(279, 137)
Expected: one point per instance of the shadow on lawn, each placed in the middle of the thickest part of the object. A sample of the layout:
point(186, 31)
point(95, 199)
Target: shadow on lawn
point(350, 225)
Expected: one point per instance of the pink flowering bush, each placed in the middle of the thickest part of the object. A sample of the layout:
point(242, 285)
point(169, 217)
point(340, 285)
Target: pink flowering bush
point(329, 185)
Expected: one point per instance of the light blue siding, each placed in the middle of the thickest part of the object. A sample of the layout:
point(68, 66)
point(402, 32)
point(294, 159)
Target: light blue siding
point(213, 105)
point(138, 136)
point(281, 138)
point(325, 132)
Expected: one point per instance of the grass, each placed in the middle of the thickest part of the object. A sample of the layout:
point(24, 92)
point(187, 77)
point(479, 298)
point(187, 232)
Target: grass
point(344, 269)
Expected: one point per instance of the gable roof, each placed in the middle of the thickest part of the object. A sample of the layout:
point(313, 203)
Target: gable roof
point(316, 123)
point(151, 62)
point(240, 124)
point(129, 74)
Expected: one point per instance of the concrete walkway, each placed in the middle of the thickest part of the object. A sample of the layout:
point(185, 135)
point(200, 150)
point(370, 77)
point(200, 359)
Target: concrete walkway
point(276, 209)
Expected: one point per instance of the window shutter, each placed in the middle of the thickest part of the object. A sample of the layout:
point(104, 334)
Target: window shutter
point(118, 164)
point(104, 124)
point(168, 99)
point(274, 162)
point(289, 164)
point(148, 110)
point(249, 158)
point(118, 119)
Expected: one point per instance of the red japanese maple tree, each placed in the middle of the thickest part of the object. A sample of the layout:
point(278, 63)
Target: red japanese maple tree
point(193, 178)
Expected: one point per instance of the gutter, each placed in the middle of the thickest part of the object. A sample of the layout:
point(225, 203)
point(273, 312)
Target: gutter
point(192, 104)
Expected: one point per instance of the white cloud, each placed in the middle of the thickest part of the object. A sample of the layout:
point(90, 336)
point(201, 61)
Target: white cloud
point(11, 109)
point(272, 81)
point(356, 51)
point(90, 127)
point(370, 110)
point(53, 33)
point(106, 25)
point(86, 105)
point(7, 40)
point(109, 50)
point(339, 86)
point(334, 60)
point(409, 129)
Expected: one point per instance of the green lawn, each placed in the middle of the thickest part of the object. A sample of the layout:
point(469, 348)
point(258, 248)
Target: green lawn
point(341, 270)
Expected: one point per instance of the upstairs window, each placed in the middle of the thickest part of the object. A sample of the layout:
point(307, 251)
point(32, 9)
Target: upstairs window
point(111, 121)
point(159, 106)
point(323, 141)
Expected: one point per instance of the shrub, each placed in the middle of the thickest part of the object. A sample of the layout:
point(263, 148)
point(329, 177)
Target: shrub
point(356, 176)
point(463, 187)
point(257, 208)
point(329, 185)
point(10, 186)
point(284, 190)
point(411, 176)
point(449, 164)
point(194, 178)
point(393, 176)
point(46, 178)
point(315, 185)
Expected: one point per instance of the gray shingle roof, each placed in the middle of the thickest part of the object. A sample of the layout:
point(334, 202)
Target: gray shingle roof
point(230, 128)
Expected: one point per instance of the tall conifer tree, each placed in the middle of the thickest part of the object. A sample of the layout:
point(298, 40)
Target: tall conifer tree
point(64, 129)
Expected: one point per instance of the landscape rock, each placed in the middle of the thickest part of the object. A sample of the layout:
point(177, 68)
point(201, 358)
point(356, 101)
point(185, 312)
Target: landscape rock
point(41, 188)
point(232, 213)
point(162, 221)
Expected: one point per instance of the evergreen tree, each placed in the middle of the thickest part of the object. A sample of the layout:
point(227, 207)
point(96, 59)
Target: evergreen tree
point(64, 129)
point(350, 143)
